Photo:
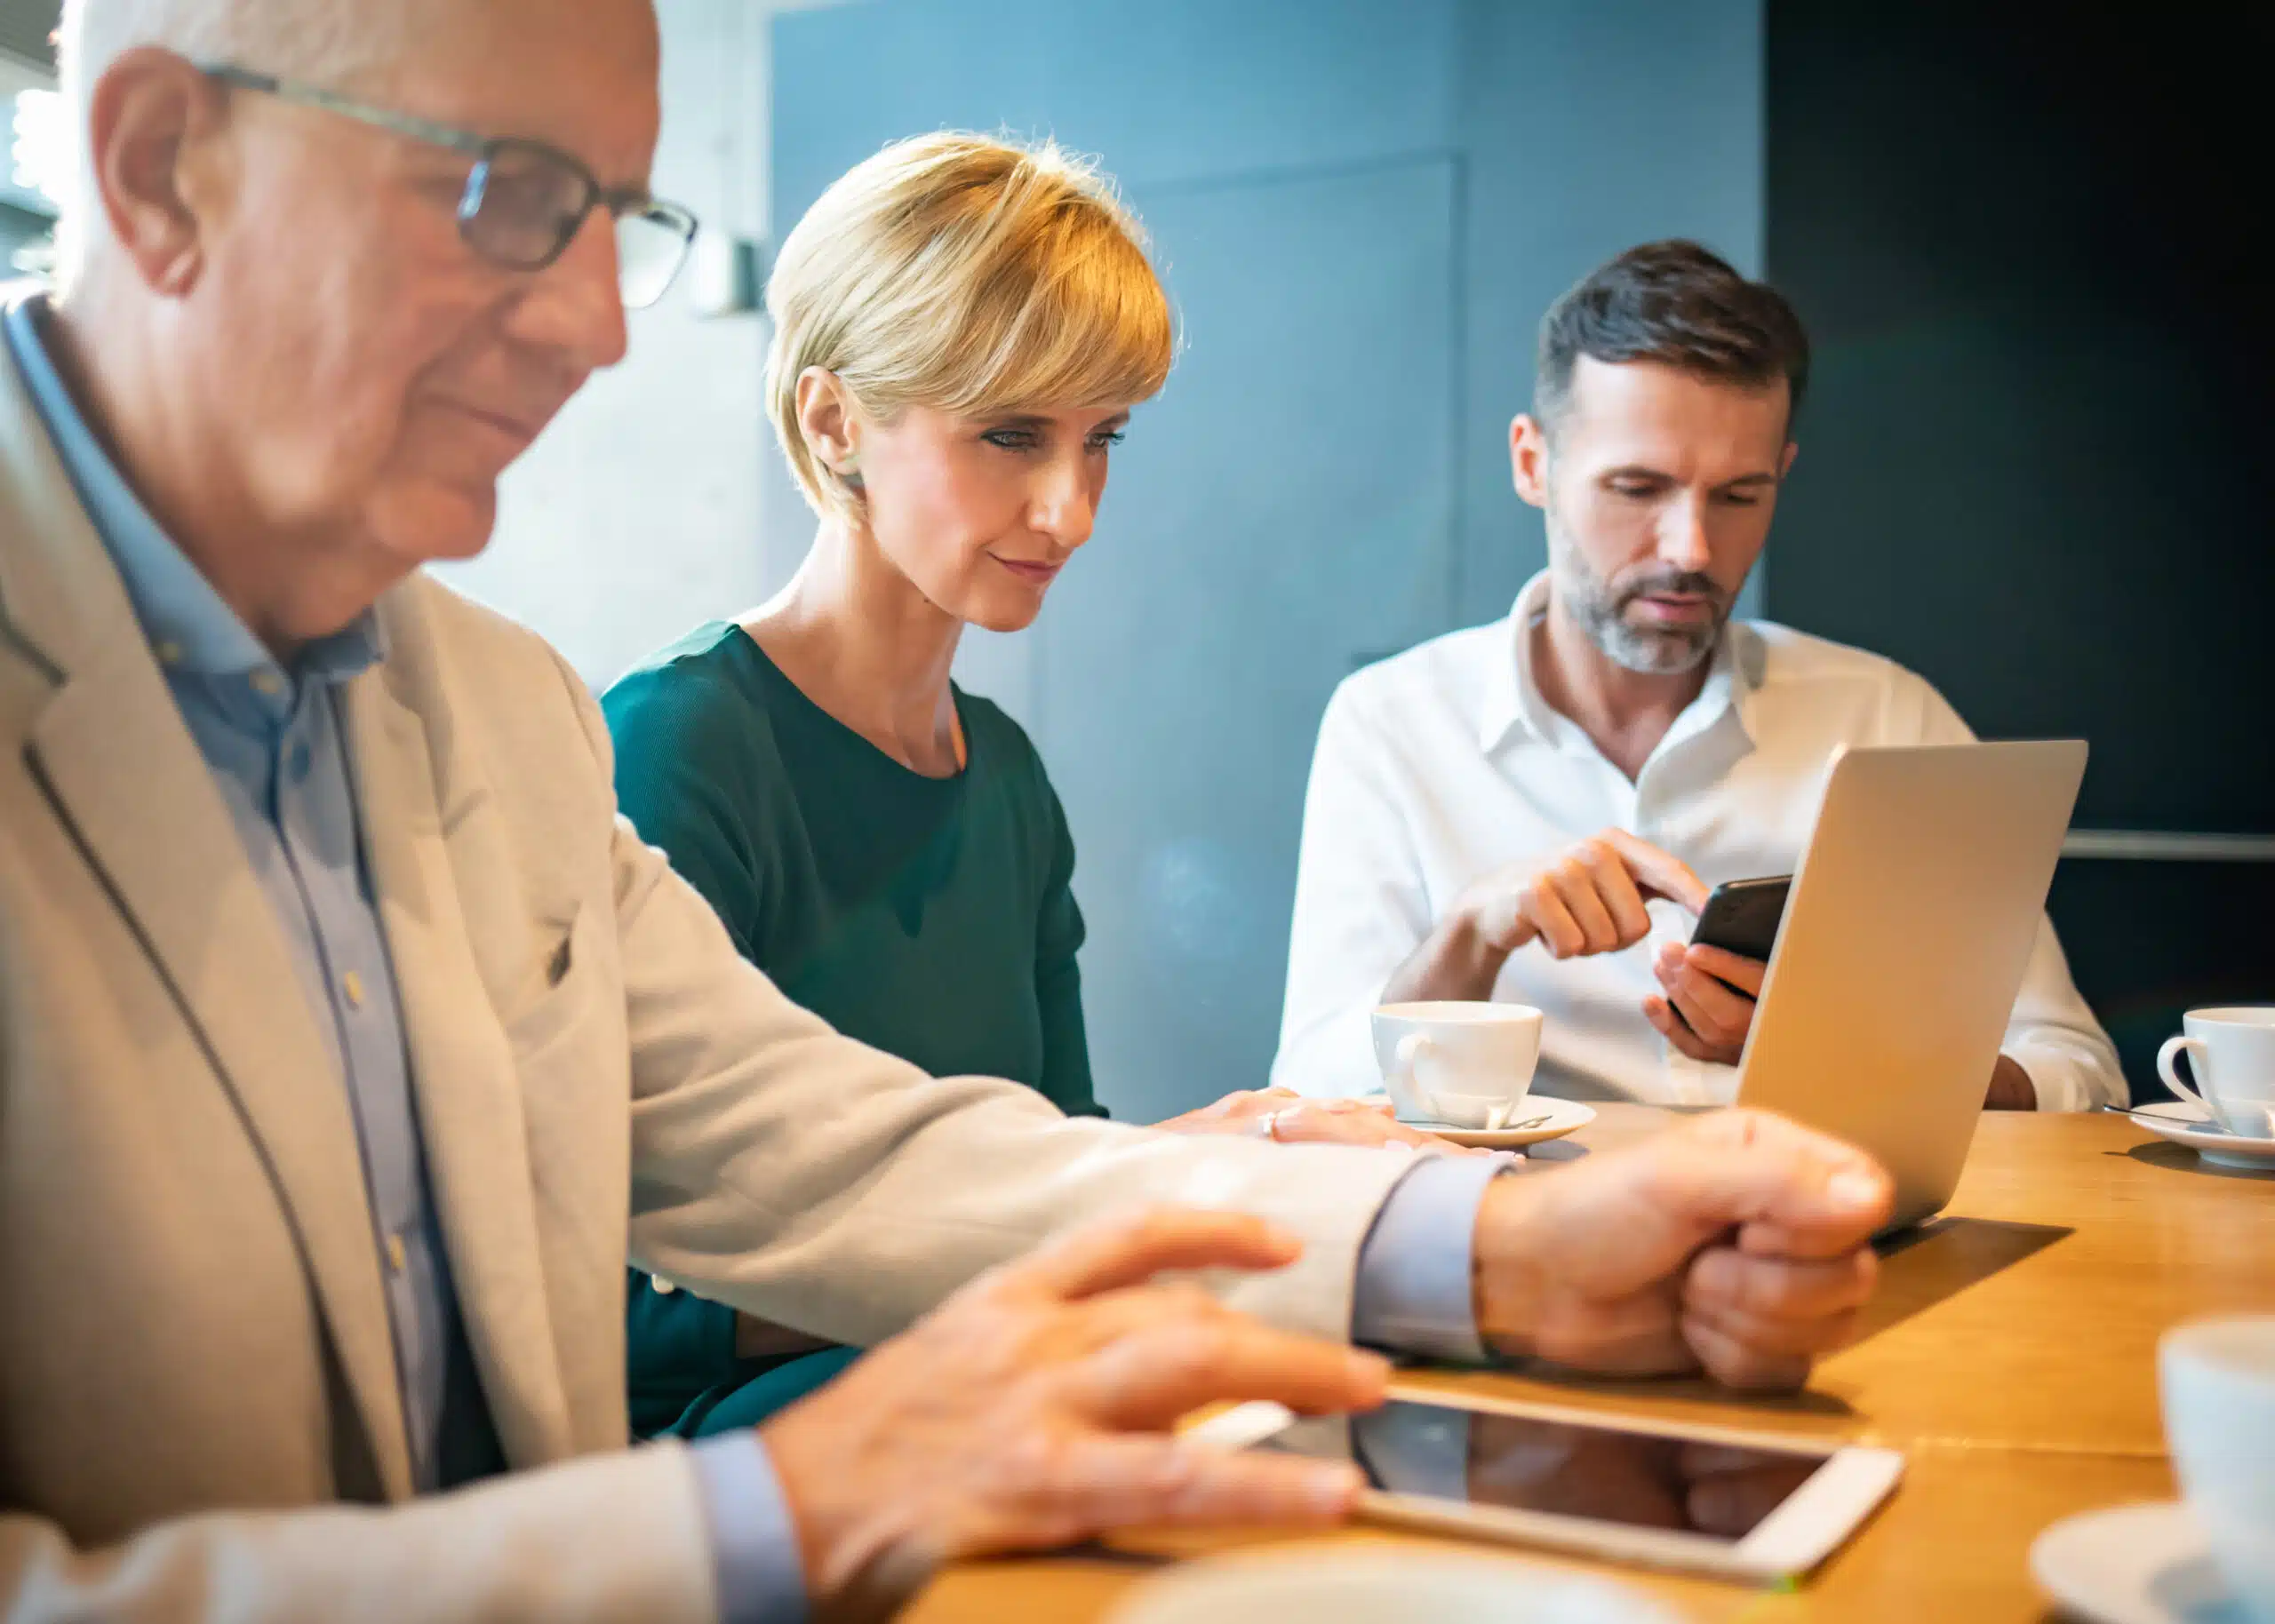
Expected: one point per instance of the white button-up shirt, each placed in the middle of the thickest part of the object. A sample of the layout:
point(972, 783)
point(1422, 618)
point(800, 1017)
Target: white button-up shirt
point(1444, 764)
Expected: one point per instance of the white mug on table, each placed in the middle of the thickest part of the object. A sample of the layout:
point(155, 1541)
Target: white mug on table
point(2218, 1382)
point(1456, 1064)
point(2231, 1052)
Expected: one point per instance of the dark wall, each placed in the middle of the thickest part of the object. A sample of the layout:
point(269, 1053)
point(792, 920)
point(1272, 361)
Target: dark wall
point(2035, 464)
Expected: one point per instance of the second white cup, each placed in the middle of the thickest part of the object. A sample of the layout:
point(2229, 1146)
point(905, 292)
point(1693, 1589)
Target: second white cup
point(1455, 1062)
point(2217, 1377)
point(2231, 1052)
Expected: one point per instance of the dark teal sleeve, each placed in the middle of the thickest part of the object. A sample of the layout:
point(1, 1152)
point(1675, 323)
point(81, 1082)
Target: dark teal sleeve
point(1058, 979)
point(689, 755)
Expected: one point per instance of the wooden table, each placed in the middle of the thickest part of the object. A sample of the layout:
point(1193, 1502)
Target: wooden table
point(2010, 1355)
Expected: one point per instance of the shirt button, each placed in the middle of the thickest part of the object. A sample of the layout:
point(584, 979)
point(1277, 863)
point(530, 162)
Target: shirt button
point(395, 1261)
point(169, 653)
point(661, 1286)
point(352, 984)
point(266, 682)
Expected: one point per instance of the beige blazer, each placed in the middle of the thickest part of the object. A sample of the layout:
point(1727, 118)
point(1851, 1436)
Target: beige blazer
point(198, 1408)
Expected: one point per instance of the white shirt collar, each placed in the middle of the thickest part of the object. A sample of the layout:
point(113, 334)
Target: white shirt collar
point(1513, 698)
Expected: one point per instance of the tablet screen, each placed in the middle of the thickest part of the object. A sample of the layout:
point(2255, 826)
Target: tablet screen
point(1518, 1462)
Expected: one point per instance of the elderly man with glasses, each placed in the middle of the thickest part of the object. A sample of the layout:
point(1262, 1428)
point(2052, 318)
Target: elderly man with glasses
point(349, 1043)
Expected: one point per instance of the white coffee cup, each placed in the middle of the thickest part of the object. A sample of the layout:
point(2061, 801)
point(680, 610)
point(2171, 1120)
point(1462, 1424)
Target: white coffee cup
point(2218, 1382)
point(1455, 1064)
point(2231, 1052)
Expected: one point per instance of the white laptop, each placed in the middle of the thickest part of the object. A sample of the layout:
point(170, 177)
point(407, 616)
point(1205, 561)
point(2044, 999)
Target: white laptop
point(1903, 943)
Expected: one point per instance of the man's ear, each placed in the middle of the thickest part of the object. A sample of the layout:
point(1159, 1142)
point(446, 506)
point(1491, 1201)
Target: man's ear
point(151, 124)
point(1529, 458)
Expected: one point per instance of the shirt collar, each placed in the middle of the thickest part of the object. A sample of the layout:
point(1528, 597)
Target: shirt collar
point(190, 629)
point(1513, 702)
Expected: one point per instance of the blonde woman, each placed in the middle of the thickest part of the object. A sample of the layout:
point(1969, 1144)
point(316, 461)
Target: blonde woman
point(961, 328)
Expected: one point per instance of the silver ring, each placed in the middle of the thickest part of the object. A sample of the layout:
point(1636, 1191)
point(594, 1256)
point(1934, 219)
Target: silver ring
point(1267, 1127)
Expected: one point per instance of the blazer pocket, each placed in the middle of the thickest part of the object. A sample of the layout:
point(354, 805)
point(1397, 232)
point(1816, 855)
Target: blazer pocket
point(557, 990)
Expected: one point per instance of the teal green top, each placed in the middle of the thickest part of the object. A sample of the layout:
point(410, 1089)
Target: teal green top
point(931, 917)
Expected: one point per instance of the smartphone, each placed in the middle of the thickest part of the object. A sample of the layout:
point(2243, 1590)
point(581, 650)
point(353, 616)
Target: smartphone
point(1735, 1504)
point(1742, 916)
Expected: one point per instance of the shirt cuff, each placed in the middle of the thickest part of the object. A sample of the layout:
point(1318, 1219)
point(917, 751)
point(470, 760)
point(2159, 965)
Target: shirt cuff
point(1415, 1292)
point(762, 1579)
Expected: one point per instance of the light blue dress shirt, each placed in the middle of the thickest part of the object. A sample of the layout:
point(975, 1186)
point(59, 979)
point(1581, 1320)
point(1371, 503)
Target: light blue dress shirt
point(274, 741)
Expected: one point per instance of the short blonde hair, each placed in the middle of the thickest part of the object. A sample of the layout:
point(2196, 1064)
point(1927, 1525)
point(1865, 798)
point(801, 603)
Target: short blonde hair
point(967, 275)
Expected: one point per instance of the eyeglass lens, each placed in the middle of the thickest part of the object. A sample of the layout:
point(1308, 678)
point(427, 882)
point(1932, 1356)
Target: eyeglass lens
point(523, 205)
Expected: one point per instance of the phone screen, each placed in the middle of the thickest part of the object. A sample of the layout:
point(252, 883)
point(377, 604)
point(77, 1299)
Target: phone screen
point(1525, 1463)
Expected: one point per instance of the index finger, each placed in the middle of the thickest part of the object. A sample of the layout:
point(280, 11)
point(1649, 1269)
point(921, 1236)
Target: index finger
point(1150, 1377)
point(1659, 871)
point(1125, 1252)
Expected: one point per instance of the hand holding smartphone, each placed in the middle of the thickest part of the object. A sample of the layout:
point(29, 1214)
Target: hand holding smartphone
point(1710, 986)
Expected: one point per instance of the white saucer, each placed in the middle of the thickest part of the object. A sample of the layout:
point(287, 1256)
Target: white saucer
point(2133, 1564)
point(1563, 1117)
point(2186, 1124)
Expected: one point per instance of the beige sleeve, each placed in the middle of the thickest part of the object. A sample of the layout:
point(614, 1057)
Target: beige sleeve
point(619, 1536)
point(813, 1182)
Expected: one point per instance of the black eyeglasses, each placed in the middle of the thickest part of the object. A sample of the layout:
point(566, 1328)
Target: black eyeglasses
point(525, 202)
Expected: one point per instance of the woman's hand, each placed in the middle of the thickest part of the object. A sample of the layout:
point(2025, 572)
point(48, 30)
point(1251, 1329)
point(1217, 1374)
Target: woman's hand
point(1288, 1117)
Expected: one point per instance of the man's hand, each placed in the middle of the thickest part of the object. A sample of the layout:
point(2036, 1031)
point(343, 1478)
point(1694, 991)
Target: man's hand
point(1736, 1242)
point(1032, 1409)
point(2011, 1088)
point(1709, 1001)
point(1587, 900)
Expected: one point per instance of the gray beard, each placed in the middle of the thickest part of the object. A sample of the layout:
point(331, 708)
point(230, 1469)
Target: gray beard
point(1599, 610)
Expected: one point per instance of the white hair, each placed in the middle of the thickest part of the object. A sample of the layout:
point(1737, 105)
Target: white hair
point(326, 41)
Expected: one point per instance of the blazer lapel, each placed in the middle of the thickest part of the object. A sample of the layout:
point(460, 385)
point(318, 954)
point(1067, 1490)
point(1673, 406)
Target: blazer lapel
point(110, 748)
point(125, 773)
point(461, 1064)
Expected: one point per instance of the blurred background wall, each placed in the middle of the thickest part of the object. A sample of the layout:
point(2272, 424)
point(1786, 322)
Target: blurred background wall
point(2032, 464)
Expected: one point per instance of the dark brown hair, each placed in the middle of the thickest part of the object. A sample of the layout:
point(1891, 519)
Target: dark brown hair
point(1681, 305)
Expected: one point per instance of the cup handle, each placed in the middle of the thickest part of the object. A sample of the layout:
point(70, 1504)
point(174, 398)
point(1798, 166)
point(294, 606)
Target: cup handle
point(2198, 1056)
point(1406, 1092)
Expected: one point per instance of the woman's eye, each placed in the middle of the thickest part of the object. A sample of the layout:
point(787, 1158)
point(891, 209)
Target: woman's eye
point(1108, 439)
point(1011, 439)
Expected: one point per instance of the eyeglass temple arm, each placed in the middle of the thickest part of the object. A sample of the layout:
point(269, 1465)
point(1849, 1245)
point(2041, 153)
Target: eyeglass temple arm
point(314, 96)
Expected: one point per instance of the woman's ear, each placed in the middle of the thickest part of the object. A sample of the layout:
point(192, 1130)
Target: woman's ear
point(826, 418)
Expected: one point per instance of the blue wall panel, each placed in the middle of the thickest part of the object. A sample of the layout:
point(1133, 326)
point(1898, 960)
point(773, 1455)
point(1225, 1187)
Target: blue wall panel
point(1361, 208)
